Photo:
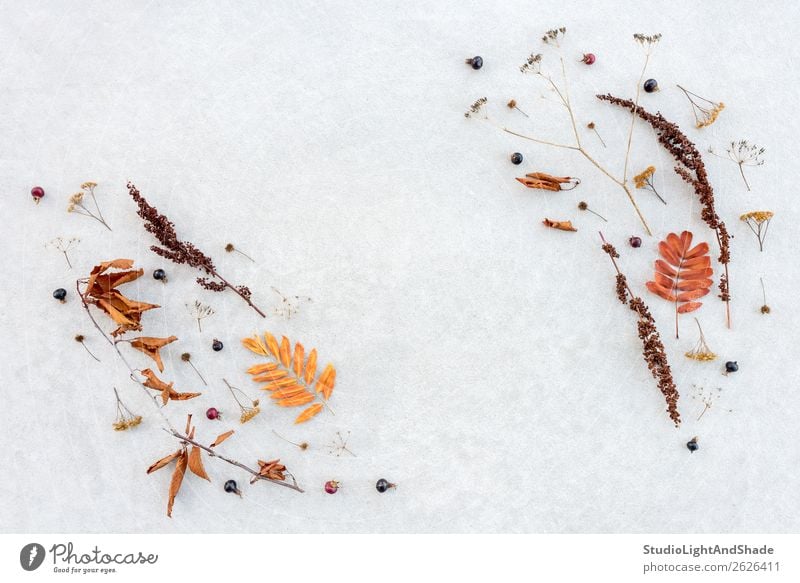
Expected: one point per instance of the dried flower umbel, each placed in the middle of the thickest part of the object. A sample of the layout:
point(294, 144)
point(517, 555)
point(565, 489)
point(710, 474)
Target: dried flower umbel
point(125, 418)
point(77, 206)
point(701, 351)
point(584, 206)
point(743, 154)
point(533, 66)
point(63, 246)
point(705, 111)
point(339, 445)
point(183, 252)
point(707, 398)
point(758, 222)
point(289, 305)
point(653, 349)
point(645, 180)
point(199, 312)
point(247, 412)
point(691, 168)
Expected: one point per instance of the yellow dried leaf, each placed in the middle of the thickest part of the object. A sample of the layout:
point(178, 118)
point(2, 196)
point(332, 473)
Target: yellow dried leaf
point(308, 413)
point(297, 359)
point(272, 344)
point(311, 366)
point(285, 352)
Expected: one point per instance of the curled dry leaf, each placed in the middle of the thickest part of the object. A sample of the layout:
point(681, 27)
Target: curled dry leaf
point(166, 390)
point(101, 292)
point(291, 375)
point(683, 275)
point(560, 225)
point(163, 461)
point(196, 463)
point(543, 181)
point(272, 470)
point(222, 437)
point(151, 346)
point(177, 480)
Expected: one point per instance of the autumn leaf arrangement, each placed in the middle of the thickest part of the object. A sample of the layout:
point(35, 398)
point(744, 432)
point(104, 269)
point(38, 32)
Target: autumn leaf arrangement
point(101, 291)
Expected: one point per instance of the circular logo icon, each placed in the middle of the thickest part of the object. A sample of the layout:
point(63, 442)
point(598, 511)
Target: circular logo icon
point(31, 556)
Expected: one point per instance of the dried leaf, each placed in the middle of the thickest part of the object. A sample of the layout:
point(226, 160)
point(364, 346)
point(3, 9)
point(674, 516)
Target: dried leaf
point(177, 480)
point(262, 368)
point(683, 275)
point(285, 352)
point(560, 225)
point(311, 366)
point(301, 399)
point(308, 413)
point(298, 358)
point(151, 346)
point(222, 437)
point(271, 376)
point(272, 344)
point(196, 463)
point(166, 390)
point(163, 462)
point(255, 344)
point(326, 381)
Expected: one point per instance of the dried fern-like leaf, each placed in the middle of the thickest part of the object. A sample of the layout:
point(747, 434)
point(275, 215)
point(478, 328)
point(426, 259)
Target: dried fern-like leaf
point(683, 275)
point(308, 413)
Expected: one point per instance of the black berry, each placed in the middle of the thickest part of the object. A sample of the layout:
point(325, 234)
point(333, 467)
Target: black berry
point(160, 275)
point(731, 366)
point(230, 486)
point(516, 158)
point(635, 242)
point(692, 445)
point(60, 294)
point(476, 62)
point(651, 85)
point(382, 485)
point(217, 345)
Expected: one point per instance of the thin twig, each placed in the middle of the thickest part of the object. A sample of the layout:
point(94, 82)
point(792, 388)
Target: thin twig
point(187, 440)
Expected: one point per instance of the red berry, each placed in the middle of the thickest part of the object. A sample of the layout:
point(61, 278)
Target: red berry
point(331, 486)
point(212, 413)
point(588, 58)
point(37, 192)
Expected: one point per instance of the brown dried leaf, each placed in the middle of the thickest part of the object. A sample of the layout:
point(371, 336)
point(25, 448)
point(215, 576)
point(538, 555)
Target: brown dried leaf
point(177, 480)
point(222, 437)
point(163, 461)
point(560, 225)
point(308, 413)
point(196, 463)
point(151, 346)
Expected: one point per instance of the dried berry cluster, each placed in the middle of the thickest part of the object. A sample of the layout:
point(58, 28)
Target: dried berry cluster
point(691, 168)
point(183, 252)
point(653, 349)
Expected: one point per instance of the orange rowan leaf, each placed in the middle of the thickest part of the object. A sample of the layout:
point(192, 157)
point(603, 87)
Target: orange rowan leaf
point(262, 368)
point(311, 367)
point(285, 351)
point(297, 359)
point(272, 344)
point(682, 276)
point(255, 344)
point(308, 413)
